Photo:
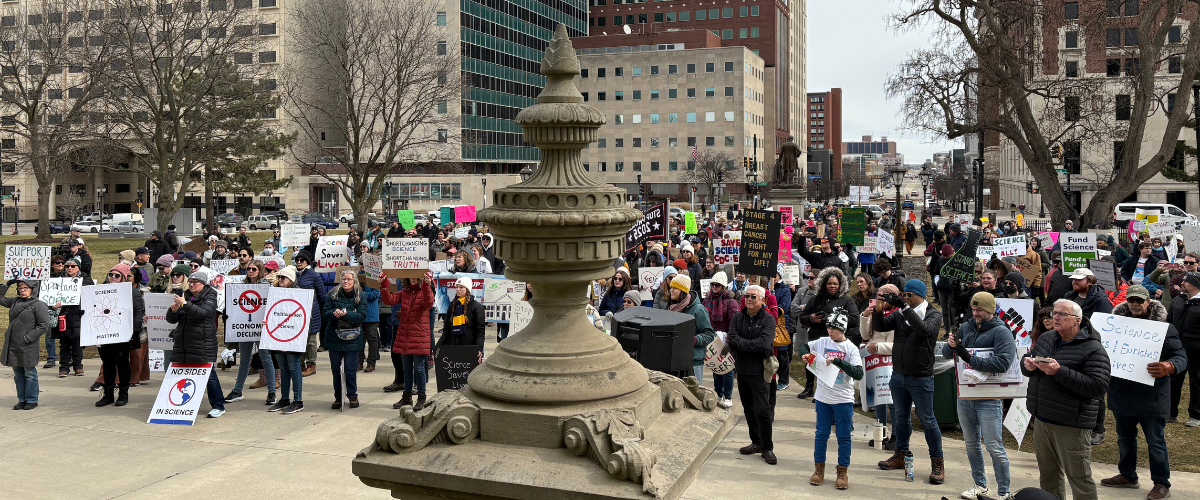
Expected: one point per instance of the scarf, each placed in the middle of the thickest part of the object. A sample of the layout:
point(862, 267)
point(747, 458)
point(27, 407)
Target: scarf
point(682, 304)
point(458, 321)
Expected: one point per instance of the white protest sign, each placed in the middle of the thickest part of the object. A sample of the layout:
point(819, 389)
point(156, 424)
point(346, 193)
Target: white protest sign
point(107, 314)
point(332, 253)
point(875, 387)
point(1106, 273)
point(462, 232)
point(157, 360)
point(246, 307)
point(1131, 344)
point(65, 290)
point(1011, 376)
point(1011, 246)
point(826, 373)
point(1076, 249)
point(1008, 385)
point(522, 314)
point(727, 249)
point(294, 235)
point(1162, 230)
point(886, 244)
point(27, 262)
point(499, 295)
point(870, 244)
point(288, 316)
point(372, 265)
point(180, 395)
point(1017, 420)
point(791, 275)
point(963, 220)
point(705, 285)
point(273, 258)
point(237, 278)
point(405, 253)
point(1191, 237)
point(719, 363)
point(158, 330)
point(984, 252)
point(649, 278)
point(222, 266)
point(1018, 315)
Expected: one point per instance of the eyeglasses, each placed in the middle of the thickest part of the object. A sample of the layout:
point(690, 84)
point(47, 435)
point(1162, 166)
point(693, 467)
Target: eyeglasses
point(195, 282)
point(811, 277)
point(1057, 314)
point(751, 297)
point(71, 265)
point(244, 255)
point(1135, 300)
point(1190, 262)
point(116, 275)
point(176, 275)
point(618, 278)
point(195, 266)
point(254, 269)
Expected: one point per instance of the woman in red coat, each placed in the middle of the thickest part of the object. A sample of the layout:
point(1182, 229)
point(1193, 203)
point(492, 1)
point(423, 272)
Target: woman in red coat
point(411, 349)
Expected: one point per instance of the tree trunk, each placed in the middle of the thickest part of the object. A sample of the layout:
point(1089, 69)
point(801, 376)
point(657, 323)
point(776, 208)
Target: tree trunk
point(210, 203)
point(43, 191)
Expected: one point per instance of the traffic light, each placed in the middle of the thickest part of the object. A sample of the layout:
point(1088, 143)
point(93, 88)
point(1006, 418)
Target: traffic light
point(1035, 190)
point(720, 176)
point(746, 162)
point(1056, 151)
point(1029, 187)
point(693, 189)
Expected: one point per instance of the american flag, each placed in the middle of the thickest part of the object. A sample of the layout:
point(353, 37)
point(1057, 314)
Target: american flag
point(695, 154)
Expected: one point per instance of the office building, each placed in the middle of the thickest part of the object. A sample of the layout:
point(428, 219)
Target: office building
point(825, 124)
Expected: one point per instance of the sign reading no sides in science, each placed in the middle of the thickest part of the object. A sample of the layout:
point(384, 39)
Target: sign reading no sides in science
point(180, 395)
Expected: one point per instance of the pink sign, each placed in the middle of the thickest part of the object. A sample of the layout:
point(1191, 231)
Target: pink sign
point(785, 248)
point(465, 213)
point(787, 215)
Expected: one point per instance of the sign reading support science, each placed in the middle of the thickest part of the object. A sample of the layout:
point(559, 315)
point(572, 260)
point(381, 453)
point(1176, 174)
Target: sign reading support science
point(1131, 344)
point(107, 314)
point(246, 307)
point(287, 319)
point(1076, 249)
point(180, 395)
point(654, 225)
point(760, 242)
point(27, 262)
point(158, 330)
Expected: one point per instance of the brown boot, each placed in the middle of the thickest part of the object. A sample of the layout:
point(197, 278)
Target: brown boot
point(894, 463)
point(843, 482)
point(938, 476)
point(309, 370)
point(261, 382)
point(818, 475)
point(278, 377)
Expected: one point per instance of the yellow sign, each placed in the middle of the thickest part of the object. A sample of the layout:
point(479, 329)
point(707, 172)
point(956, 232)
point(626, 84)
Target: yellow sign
point(1147, 215)
point(1020, 219)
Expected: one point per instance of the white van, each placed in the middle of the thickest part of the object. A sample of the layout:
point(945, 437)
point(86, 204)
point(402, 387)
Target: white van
point(119, 218)
point(1166, 212)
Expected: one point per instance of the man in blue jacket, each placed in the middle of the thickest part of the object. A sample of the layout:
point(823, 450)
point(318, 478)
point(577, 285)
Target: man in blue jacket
point(983, 418)
point(306, 277)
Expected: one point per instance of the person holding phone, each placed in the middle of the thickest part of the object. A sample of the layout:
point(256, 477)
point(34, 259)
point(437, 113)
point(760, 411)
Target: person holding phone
point(831, 286)
point(344, 312)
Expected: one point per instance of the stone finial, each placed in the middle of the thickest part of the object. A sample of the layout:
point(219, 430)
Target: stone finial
point(560, 67)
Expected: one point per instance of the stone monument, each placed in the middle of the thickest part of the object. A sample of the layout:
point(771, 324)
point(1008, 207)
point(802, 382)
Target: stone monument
point(559, 410)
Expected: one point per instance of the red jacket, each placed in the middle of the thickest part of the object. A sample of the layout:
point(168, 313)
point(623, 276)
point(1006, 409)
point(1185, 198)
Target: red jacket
point(412, 335)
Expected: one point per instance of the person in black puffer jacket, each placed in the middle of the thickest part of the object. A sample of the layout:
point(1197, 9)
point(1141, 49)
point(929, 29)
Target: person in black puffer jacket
point(195, 318)
point(70, 352)
point(464, 324)
point(1064, 399)
point(751, 333)
point(826, 258)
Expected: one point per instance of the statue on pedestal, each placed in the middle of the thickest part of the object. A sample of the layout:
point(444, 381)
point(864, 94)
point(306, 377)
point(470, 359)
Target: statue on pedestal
point(787, 165)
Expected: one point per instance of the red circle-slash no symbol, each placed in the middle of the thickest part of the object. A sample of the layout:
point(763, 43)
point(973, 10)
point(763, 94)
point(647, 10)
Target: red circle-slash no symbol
point(244, 300)
point(299, 310)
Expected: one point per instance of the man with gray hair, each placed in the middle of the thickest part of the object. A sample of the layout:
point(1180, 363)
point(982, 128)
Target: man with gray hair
point(1068, 372)
point(751, 332)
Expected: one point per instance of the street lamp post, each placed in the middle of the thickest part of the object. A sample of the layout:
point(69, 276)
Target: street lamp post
point(387, 196)
point(925, 179)
point(484, 191)
point(1196, 115)
point(641, 190)
point(17, 209)
point(140, 193)
point(754, 188)
point(526, 173)
point(100, 192)
point(897, 178)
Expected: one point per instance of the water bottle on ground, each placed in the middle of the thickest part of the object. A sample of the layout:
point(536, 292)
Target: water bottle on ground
point(908, 466)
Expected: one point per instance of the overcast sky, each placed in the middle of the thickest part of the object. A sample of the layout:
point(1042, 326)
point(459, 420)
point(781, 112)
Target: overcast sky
point(851, 47)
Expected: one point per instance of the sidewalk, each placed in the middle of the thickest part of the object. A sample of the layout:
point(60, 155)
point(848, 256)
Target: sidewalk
point(69, 448)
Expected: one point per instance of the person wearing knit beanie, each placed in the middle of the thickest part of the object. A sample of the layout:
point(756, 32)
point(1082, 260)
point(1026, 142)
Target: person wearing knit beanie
point(632, 298)
point(183, 269)
point(165, 260)
point(682, 282)
point(122, 269)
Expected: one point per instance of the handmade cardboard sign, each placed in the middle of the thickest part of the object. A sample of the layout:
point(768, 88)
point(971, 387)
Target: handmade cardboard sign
point(1107, 275)
point(961, 265)
point(107, 314)
point(180, 395)
point(65, 290)
point(786, 211)
point(464, 214)
point(246, 307)
point(760, 242)
point(1131, 344)
point(499, 295)
point(331, 253)
point(294, 235)
point(1011, 246)
point(158, 330)
point(405, 257)
point(852, 224)
point(222, 266)
point(372, 265)
point(407, 219)
point(649, 278)
point(886, 244)
point(728, 248)
point(27, 262)
point(453, 364)
point(289, 312)
point(1017, 420)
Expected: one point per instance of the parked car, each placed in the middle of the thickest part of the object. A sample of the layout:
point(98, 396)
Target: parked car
point(55, 227)
point(86, 226)
point(95, 217)
point(319, 219)
point(350, 217)
point(277, 214)
point(907, 204)
point(257, 222)
point(129, 226)
point(230, 220)
point(934, 209)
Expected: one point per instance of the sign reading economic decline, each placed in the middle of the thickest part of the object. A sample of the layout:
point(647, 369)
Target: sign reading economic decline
point(27, 262)
point(107, 314)
point(285, 326)
point(760, 242)
point(180, 395)
point(246, 307)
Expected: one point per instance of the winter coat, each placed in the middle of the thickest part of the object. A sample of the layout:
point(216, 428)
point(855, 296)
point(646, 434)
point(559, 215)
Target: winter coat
point(139, 314)
point(914, 339)
point(750, 338)
point(613, 301)
point(799, 330)
point(1095, 301)
point(721, 308)
point(1184, 315)
point(821, 260)
point(1059, 285)
point(993, 334)
point(1031, 268)
point(824, 303)
point(896, 278)
point(27, 320)
point(311, 280)
point(783, 298)
point(356, 313)
point(158, 248)
point(1129, 398)
point(371, 297)
point(412, 333)
point(475, 325)
point(881, 338)
point(160, 281)
point(704, 329)
point(1130, 265)
point(1070, 397)
point(73, 313)
point(195, 332)
point(927, 230)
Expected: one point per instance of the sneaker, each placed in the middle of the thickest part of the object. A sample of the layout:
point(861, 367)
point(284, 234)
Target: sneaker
point(63, 374)
point(281, 405)
point(725, 403)
point(95, 386)
point(1098, 437)
point(49, 364)
point(751, 449)
point(780, 387)
point(19, 406)
point(233, 397)
point(298, 406)
point(30, 406)
point(216, 413)
point(1157, 493)
point(975, 492)
point(393, 388)
point(1119, 481)
point(1192, 422)
point(270, 399)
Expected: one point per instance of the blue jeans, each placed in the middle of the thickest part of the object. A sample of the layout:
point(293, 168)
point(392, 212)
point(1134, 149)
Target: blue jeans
point(344, 362)
point(293, 374)
point(907, 392)
point(216, 398)
point(881, 413)
point(698, 372)
point(414, 372)
point(50, 354)
point(246, 350)
point(723, 384)
point(842, 415)
point(27, 384)
point(1152, 427)
point(982, 419)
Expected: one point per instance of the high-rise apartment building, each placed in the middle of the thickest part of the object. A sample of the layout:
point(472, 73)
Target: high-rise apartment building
point(825, 125)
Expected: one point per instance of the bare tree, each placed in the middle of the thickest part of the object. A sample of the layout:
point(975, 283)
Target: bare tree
point(53, 60)
point(188, 96)
point(986, 70)
point(71, 205)
point(714, 166)
point(373, 89)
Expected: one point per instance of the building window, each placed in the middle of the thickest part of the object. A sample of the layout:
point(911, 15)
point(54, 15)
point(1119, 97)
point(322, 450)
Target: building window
point(619, 119)
point(443, 135)
point(653, 95)
point(691, 142)
point(619, 71)
point(684, 15)
point(637, 118)
point(637, 142)
point(754, 31)
point(727, 34)
point(691, 165)
point(1071, 10)
point(743, 11)
point(1175, 34)
point(1112, 38)
point(599, 72)
point(1132, 68)
point(672, 117)
point(603, 167)
point(441, 107)
point(441, 48)
point(1170, 103)
point(691, 68)
point(654, 142)
point(691, 117)
point(1123, 107)
point(583, 72)
point(743, 33)
point(585, 96)
point(1113, 67)
point(1131, 7)
point(672, 93)
point(601, 96)
point(1112, 8)
point(670, 17)
point(653, 117)
point(691, 93)
point(658, 17)
point(672, 69)
point(728, 91)
point(1072, 69)
point(1072, 40)
point(441, 18)
point(653, 166)
point(602, 143)
point(619, 166)
point(1071, 155)
point(653, 70)
point(710, 116)
point(754, 10)
point(637, 95)
point(710, 92)
point(727, 13)
point(1071, 109)
point(637, 71)
point(729, 116)
point(729, 141)
point(672, 165)
point(587, 168)
point(619, 143)
point(710, 141)
point(1131, 37)
point(1174, 65)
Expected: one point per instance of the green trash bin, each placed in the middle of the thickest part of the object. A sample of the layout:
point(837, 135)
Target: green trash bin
point(945, 390)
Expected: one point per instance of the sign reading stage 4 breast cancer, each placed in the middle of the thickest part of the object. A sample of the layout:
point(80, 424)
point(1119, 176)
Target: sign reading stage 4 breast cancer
point(180, 395)
point(246, 307)
point(289, 312)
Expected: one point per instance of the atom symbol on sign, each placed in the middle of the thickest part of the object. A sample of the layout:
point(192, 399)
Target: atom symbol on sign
point(106, 315)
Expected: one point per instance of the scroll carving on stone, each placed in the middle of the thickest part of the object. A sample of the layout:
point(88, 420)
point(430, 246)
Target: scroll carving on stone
point(612, 438)
point(677, 392)
point(449, 415)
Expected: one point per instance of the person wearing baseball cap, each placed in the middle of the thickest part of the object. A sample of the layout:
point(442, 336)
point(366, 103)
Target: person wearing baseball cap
point(1085, 292)
point(464, 323)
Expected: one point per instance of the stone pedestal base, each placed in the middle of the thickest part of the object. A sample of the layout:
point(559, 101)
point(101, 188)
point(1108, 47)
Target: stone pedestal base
point(648, 444)
point(794, 197)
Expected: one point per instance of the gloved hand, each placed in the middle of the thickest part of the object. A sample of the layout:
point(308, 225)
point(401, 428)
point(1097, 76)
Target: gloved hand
point(11, 282)
point(894, 300)
point(962, 353)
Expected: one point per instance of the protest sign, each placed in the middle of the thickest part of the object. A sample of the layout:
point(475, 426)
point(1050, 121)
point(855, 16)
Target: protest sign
point(27, 262)
point(984, 253)
point(791, 275)
point(107, 314)
point(719, 363)
point(654, 225)
point(1191, 237)
point(453, 364)
point(1107, 274)
point(464, 214)
point(852, 223)
point(246, 307)
point(462, 232)
point(158, 330)
point(760, 243)
point(1137, 226)
point(498, 297)
point(1164, 230)
point(289, 312)
point(1131, 344)
point(65, 290)
point(786, 212)
point(222, 266)
point(1017, 420)
point(705, 285)
point(689, 223)
point(875, 387)
point(728, 248)
point(785, 247)
point(520, 315)
point(294, 235)
point(1048, 239)
point(157, 361)
point(1076, 249)
point(332, 252)
point(180, 395)
point(961, 265)
point(886, 244)
point(870, 244)
point(405, 257)
point(649, 278)
point(372, 265)
point(825, 373)
point(277, 259)
point(1011, 246)
point(1018, 315)
point(963, 220)
point(1020, 220)
point(446, 215)
point(1008, 385)
point(407, 219)
point(236, 278)
point(444, 290)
